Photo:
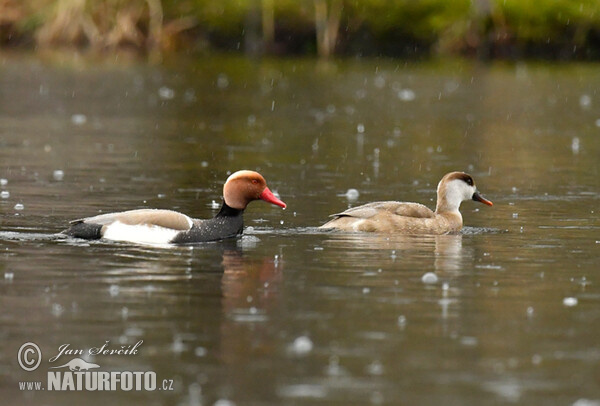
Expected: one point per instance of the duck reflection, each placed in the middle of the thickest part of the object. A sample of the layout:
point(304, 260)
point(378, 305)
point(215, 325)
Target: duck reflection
point(249, 283)
point(445, 252)
point(251, 294)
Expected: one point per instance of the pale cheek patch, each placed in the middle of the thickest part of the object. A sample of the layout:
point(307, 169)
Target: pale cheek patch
point(144, 234)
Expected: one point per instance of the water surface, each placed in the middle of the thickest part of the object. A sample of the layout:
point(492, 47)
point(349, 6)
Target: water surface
point(288, 314)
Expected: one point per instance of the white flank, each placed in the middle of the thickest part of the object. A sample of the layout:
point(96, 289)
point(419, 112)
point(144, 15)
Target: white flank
point(144, 234)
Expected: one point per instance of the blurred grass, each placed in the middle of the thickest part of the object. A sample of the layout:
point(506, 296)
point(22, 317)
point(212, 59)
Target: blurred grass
point(565, 29)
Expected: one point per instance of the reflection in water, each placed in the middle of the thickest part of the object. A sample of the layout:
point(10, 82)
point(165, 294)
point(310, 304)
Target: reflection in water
point(249, 286)
point(444, 252)
point(251, 289)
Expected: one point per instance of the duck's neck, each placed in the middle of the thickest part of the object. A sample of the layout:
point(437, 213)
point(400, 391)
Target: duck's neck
point(448, 209)
point(227, 211)
point(448, 202)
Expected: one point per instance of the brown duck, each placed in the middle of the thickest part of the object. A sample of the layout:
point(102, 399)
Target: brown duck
point(413, 218)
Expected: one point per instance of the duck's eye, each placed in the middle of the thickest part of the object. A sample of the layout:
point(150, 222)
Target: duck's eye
point(255, 181)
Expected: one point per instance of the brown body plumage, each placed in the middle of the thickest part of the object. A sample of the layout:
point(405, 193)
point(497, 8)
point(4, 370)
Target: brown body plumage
point(413, 218)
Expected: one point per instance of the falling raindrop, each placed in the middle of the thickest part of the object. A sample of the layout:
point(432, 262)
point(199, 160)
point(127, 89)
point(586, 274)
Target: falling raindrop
point(166, 93)
point(575, 145)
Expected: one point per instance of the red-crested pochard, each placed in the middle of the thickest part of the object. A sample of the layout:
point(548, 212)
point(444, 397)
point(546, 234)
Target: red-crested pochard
point(413, 218)
point(155, 226)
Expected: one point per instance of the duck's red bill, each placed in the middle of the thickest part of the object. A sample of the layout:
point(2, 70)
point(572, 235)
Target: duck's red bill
point(268, 196)
point(478, 198)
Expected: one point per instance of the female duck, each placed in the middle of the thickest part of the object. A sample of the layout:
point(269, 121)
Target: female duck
point(166, 226)
point(413, 218)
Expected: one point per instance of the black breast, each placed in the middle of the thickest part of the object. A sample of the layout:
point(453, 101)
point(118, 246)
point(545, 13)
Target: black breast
point(228, 223)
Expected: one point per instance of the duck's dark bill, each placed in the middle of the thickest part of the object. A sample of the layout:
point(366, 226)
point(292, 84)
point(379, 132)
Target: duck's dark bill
point(268, 196)
point(478, 198)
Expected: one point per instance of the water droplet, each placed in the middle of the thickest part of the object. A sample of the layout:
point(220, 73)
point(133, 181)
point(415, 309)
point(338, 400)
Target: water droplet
point(19, 206)
point(78, 119)
point(429, 278)
point(113, 290)
point(9, 276)
point(469, 341)
point(406, 95)
point(360, 128)
point(352, 194)
point(223, 402)
point(375, 368)
point(570, 301)
point(58, 174)
point(190, 95)
point(222, 81)
point(366, 291)
point(402, 321)
point(585, 101)
point(3, 182)
point(166, 93)
point(57, 309)
point(302, 345)
point(178, 346)
point(5, 194)
point(575, 145)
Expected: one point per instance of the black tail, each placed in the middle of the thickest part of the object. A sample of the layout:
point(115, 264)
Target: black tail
point(87, 231)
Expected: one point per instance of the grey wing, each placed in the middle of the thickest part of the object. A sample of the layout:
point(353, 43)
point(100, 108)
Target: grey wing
point(398, 208)
point(163, 218)
point(365, 211)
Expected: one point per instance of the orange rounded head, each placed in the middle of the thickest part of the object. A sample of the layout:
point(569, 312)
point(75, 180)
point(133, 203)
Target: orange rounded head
point(242, 187)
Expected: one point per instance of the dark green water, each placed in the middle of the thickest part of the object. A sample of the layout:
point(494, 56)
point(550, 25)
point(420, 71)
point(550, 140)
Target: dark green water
point(286, 314)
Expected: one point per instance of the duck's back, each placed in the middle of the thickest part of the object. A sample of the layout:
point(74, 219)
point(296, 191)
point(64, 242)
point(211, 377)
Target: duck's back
point(387, 216)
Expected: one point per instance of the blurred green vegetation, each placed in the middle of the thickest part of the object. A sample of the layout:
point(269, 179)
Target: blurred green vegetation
point(560, 29)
